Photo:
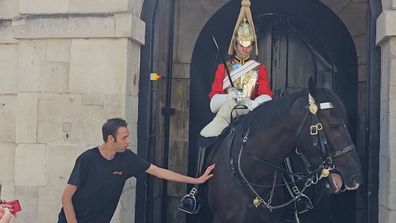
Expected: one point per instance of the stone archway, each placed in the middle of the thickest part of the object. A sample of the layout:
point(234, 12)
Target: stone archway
point(222, 29)
point(191, 18)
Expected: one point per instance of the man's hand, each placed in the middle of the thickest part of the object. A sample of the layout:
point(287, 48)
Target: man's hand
point(5, 213)
point(4, 206)
point(207, 175)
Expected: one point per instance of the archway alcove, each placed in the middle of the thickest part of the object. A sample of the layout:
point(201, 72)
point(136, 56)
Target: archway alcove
point(296, 40)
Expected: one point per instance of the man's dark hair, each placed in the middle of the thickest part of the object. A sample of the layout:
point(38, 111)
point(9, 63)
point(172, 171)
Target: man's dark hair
point(111, 126)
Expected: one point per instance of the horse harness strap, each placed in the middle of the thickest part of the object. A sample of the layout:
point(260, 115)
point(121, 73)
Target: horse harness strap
point(273, 165)
point(258, 200)
point(304, 159)
point(294, 190)
point(232, 134)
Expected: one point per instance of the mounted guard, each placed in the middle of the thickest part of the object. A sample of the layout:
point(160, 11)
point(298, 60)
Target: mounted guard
point(248, 183)
point(239, 86)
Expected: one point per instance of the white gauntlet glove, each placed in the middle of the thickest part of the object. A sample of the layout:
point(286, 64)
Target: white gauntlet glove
point(249, 103)
point(218, 100)
point(253, 104)
point(234, 93)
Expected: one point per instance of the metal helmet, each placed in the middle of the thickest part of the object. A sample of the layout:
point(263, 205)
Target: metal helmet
point(244, 32)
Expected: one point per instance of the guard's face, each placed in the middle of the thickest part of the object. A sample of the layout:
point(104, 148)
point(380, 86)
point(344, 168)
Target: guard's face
point(122, 139)
point(243, 52)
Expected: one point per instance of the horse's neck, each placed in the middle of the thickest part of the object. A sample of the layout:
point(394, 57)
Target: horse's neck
point(275, 146)
point(275, 142)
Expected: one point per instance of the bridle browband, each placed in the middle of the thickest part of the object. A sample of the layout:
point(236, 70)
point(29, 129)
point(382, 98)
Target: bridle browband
point(319, 141)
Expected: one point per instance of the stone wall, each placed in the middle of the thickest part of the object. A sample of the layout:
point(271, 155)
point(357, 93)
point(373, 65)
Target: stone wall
point(386, 38)
point(66, 66)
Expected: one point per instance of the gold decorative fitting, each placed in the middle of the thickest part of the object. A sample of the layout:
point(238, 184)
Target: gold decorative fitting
point(247, 82)
point(325, 172)
point(256, 202)
point(312, 107)
point(245, 3)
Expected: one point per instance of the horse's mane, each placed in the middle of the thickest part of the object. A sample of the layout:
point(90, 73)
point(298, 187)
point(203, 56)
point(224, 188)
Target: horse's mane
point(271, 112)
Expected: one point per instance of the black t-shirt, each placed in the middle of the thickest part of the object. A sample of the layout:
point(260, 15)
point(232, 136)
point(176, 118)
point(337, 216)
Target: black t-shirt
point(100, 182)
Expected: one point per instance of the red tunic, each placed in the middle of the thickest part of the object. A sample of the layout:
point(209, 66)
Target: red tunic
point(262, 84)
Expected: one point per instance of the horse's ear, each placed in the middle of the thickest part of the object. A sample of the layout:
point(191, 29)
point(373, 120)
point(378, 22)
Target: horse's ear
point(311, 86)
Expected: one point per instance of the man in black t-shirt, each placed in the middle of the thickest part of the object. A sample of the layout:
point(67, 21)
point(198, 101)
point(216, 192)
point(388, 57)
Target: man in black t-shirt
point(99, 174)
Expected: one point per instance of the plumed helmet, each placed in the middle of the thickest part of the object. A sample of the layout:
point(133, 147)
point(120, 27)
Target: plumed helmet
point(244, 32)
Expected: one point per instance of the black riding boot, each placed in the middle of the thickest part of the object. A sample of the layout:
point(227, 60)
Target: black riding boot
point(189, 202)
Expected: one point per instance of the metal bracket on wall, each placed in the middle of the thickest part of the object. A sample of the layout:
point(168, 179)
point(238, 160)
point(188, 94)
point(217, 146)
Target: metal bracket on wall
point(168, 111)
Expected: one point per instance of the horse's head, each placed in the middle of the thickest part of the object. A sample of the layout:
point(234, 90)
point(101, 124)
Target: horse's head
point(326, 142)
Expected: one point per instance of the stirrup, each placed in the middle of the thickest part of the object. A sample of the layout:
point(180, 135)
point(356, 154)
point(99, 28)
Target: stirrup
point(303, 204)
point(188, 203)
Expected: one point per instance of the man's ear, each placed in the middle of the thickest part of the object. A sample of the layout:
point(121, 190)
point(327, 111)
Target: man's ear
point(110, 138)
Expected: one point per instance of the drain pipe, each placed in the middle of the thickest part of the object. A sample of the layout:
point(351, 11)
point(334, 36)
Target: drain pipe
point(372, 135)
point(144, 185)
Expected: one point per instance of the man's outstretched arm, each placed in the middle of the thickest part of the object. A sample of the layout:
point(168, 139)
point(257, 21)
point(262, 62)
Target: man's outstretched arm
point(176, 177)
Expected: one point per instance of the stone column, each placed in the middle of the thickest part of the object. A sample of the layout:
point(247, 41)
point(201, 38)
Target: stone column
point(8, 98)
point(66, 66)
point(386, 38)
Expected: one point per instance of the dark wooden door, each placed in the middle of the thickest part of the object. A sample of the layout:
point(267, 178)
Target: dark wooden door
point(293, 52)
point(291, 56)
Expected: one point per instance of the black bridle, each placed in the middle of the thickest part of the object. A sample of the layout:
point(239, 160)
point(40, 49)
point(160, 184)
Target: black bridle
point(320, 142)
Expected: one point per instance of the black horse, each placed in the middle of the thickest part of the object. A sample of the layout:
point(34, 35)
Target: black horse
point(247, 185)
